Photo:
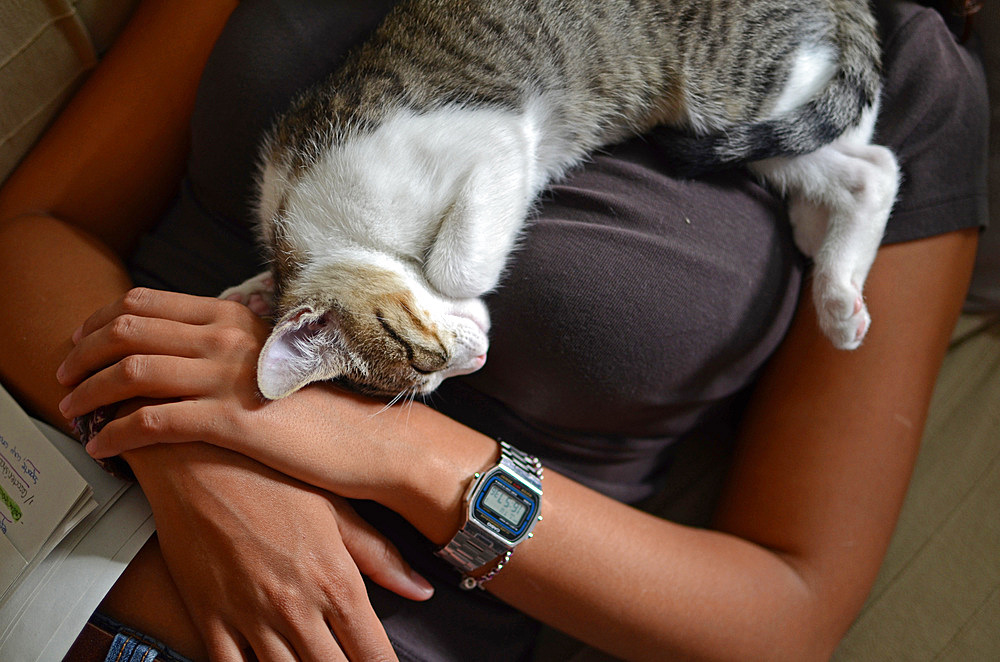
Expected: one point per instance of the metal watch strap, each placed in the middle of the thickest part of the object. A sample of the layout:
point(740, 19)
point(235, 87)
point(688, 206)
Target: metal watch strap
point(472, 547)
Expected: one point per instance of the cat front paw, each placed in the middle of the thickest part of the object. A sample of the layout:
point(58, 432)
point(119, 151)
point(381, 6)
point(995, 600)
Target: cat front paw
point(255, 293)
point(843, 316)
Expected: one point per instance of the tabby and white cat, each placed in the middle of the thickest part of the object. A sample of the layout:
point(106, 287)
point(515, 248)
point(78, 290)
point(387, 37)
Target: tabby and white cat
point(392, 193)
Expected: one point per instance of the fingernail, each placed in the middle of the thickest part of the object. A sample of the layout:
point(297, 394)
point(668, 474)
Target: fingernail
point(77, 334)
point(90, 448)
point(61, 372)
point(421, 583)
point(64, 404)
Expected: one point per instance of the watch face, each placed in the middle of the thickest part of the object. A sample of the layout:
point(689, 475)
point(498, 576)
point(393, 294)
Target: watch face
point(500, 502)
point(505, 507)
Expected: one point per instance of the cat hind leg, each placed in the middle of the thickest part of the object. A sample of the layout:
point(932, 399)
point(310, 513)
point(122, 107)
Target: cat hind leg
point(840, 197)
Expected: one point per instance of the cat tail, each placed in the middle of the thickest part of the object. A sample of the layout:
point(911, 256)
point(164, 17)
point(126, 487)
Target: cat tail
point(839, 106)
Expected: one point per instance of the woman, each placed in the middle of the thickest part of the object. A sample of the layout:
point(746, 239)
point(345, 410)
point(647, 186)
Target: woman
point(595, 366)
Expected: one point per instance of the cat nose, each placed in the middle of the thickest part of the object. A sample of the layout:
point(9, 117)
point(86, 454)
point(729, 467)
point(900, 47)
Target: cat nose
point(470, 366)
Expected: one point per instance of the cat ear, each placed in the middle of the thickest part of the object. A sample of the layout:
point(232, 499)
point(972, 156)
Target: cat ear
point(297, 353)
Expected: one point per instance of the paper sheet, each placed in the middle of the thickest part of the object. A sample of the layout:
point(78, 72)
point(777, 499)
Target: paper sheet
point(41, 495)
point(49, 608)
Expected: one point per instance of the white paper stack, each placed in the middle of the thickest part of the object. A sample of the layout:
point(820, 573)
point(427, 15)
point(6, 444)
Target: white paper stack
point(42, 497)
point(93, 524)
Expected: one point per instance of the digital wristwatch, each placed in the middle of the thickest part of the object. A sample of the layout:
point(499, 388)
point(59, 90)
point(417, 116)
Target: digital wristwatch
point(503, 508)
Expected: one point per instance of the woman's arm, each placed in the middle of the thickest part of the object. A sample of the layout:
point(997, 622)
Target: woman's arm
point(73, 208)
point(820, 475)
point(98, 177)
point(821, 471)
point(111, 161)
point(822, 468)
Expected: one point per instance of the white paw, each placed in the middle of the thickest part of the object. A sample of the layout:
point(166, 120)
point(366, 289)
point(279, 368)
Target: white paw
point(255, 293)
point(843, 316)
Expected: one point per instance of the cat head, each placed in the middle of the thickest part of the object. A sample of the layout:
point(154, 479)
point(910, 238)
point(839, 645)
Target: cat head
point(373, 326)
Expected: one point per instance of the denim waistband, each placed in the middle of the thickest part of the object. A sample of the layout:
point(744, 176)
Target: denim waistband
point(132, 646)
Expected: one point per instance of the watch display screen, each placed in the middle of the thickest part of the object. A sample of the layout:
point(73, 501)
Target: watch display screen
point(505, 507)
point(508, 508)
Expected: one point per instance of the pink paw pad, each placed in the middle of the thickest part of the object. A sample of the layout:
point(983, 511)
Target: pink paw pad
point(862, 330)
point(258, 305)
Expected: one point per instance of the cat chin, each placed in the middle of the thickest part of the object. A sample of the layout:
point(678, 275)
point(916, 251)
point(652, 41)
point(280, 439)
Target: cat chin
point(431, 382)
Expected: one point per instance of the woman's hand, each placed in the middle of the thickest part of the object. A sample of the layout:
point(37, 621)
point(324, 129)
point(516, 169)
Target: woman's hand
point(191, 362)
point(265, 562)
point(195, 357)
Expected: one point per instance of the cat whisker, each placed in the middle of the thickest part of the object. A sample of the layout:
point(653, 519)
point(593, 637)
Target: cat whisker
point(409, 403)
point(396, 398)
point(406, 396)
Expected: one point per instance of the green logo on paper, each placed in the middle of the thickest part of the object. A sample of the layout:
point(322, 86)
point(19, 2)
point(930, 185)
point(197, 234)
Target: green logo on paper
point(15, 510)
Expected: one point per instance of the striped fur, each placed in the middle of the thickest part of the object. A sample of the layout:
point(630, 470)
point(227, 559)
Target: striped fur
point(409, 173)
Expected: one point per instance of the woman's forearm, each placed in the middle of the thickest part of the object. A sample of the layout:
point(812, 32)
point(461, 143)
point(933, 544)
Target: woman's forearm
point(644, 588)
point(613, 576)
point(54, 276)
point(620, 579)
